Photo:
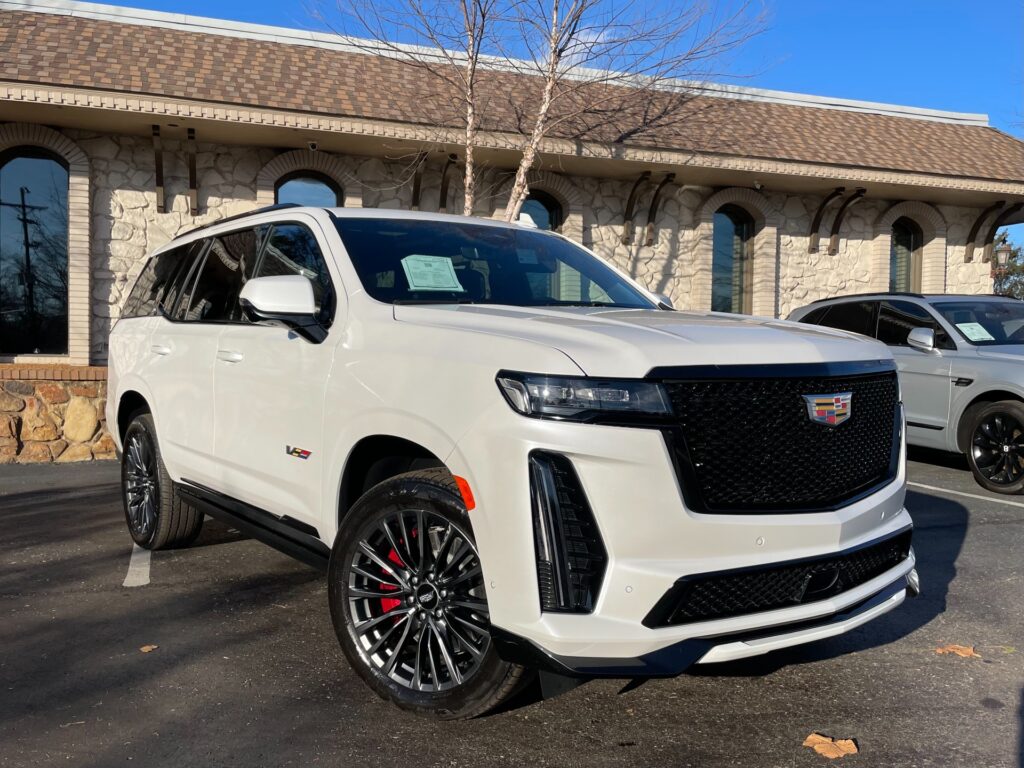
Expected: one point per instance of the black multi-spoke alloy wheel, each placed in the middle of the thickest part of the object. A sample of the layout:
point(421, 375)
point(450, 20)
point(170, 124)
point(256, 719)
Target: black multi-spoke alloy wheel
point(157, 518)
point(408, 601)
point(996, 449)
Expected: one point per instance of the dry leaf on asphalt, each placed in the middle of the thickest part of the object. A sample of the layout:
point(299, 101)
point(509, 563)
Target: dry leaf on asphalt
point(148, 648)
point(831, 748)
point(967, 651)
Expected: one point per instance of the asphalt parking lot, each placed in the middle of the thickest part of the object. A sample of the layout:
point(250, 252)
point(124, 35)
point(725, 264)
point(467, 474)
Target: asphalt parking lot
point(247, 671)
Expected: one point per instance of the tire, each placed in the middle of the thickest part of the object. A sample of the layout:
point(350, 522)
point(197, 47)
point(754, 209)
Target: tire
point(406, 614)
point(156, 516)
point(995, 446)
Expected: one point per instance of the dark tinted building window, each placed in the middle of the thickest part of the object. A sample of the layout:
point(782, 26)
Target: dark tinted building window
point(33, 252)
point(896, 319)
point(731, 275)
point(856, 316)
point(544, 210)
point(292, 250)
point(308, 188)
point(229, 260)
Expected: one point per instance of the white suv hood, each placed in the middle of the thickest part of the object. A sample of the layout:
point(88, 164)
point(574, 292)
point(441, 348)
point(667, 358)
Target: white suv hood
point(628, 343)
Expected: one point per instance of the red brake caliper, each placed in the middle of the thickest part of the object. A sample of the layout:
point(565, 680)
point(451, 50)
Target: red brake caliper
point(389, 603)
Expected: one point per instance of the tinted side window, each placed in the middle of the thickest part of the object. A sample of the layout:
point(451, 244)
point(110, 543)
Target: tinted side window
point(896, 319)
point(292, 250)
point(814, 316)
point(214, 296)
point(856, 316)
point(160, 280)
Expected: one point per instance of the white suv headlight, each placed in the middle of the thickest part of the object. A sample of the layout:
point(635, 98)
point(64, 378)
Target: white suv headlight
point(583, 398)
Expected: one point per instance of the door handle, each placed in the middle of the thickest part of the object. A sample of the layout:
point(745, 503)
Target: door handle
point(229, 355)
point(160, 349)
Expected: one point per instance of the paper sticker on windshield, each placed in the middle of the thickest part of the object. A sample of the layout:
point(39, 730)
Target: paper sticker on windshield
point(431, 273)
point(975, 332)
point(526, 256)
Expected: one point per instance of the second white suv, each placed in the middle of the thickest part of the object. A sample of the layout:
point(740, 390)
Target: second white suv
point(507, 455)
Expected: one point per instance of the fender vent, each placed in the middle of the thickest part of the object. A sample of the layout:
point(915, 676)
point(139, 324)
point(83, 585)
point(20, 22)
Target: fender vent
point(571, 558)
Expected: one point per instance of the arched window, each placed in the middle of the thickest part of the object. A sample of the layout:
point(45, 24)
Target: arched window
point(544, 209)
point(308, 188)
point(905, 256)
point(731, 275)
point(33, 252)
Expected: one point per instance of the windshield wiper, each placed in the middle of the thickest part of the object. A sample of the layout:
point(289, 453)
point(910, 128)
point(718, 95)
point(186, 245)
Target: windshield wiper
point(439, 301)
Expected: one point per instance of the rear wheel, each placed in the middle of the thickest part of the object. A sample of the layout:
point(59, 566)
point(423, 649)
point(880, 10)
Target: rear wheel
point(995, 452)
point(157, 518)
point(408, 601)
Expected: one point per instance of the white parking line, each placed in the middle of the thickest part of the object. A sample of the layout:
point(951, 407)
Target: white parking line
point(138, 568)
point(968, 495)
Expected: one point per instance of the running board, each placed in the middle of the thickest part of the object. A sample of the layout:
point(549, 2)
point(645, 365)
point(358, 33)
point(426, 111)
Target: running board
point(289, 536)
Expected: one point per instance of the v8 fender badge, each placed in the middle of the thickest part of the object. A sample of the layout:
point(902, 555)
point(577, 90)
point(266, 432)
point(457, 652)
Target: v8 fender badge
point(299, 453)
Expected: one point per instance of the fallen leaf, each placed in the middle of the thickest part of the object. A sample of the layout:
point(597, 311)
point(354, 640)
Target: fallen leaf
point(148, 648)
point(829, 747)
point(967, 651)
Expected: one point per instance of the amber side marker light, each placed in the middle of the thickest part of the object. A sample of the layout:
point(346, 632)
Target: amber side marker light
point(467, 493)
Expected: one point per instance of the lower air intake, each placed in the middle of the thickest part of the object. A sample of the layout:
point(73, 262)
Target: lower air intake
point(571, 558)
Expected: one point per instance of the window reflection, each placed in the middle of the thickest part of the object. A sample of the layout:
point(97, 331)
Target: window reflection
point(731, 278)
point(308, 188)
point(33, 252)
point(544, 210)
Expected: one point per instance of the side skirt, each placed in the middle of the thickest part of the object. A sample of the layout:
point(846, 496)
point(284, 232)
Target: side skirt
point(289, 536)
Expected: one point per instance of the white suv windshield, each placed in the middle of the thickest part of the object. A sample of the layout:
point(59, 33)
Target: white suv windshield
point(986, 323)
point(426, 262)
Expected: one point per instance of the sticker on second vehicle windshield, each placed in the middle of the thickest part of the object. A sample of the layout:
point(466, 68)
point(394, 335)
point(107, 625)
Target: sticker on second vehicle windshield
point(431, 273)
point(975, 332)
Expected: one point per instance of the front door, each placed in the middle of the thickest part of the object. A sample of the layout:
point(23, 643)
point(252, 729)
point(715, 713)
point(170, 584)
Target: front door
point(924, 376)
point(270, 386)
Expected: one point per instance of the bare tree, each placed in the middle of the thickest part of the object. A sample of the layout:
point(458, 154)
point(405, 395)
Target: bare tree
point(447, 39)
point(584, 69)
point(620, 71)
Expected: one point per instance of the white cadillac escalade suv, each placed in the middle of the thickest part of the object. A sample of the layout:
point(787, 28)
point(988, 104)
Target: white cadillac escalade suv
point(507, 455)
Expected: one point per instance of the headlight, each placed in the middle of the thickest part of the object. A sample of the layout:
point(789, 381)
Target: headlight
point(582, 398)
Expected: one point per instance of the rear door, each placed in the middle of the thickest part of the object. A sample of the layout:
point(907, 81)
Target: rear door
point(924, 376)
point(270, 386)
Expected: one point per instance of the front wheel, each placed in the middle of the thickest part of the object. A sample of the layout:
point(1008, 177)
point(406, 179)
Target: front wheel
point(408, 602)
point(996, 450)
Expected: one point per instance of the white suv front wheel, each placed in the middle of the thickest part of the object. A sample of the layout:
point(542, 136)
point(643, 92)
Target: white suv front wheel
point(408, 602)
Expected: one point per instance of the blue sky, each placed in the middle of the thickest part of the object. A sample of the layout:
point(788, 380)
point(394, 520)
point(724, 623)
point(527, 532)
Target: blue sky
point(944, 54)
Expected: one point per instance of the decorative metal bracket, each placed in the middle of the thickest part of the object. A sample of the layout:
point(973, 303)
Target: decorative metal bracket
point(442, 203)
point(627, 228)
point(417, 179)
point(1001, 219)
point(972, 236)
point(158, 165)
point(652, 213)
point(833, 240)
point(813, 236)
point(193, 194)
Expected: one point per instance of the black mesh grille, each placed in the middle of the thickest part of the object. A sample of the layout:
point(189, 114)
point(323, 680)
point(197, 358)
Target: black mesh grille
point(719, 596)
point(749, 445)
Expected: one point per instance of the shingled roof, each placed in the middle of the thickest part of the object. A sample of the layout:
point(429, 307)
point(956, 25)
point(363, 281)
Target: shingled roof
point(164, 61)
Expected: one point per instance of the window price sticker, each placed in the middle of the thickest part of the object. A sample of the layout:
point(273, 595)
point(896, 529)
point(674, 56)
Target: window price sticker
point(975, 332)
point(431, 273)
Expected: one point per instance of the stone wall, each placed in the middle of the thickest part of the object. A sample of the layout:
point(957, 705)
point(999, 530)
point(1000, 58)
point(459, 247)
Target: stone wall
point(53, 414)
point(126, 225)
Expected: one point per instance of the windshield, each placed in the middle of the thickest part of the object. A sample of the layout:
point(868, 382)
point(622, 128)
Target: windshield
point(403, 261)
point(986, 323)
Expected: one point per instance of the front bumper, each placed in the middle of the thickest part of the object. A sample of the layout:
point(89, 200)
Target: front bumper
point(676, 658)
point(652, 540)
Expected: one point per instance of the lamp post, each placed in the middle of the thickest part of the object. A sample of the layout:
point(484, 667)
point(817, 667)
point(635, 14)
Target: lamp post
point(1000, 258)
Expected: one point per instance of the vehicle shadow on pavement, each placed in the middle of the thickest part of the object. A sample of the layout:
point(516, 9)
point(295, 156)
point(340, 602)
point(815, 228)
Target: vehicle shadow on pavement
point(940, 527)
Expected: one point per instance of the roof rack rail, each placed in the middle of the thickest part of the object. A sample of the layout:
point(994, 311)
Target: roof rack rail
point(871, 293)
point(246, 214)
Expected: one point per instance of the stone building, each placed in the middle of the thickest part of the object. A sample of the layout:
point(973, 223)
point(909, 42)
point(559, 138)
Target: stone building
point(121, 128)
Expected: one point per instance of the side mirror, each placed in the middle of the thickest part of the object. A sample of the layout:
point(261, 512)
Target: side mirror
point(285, 300)
point(922, 339)
point(664, 300)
